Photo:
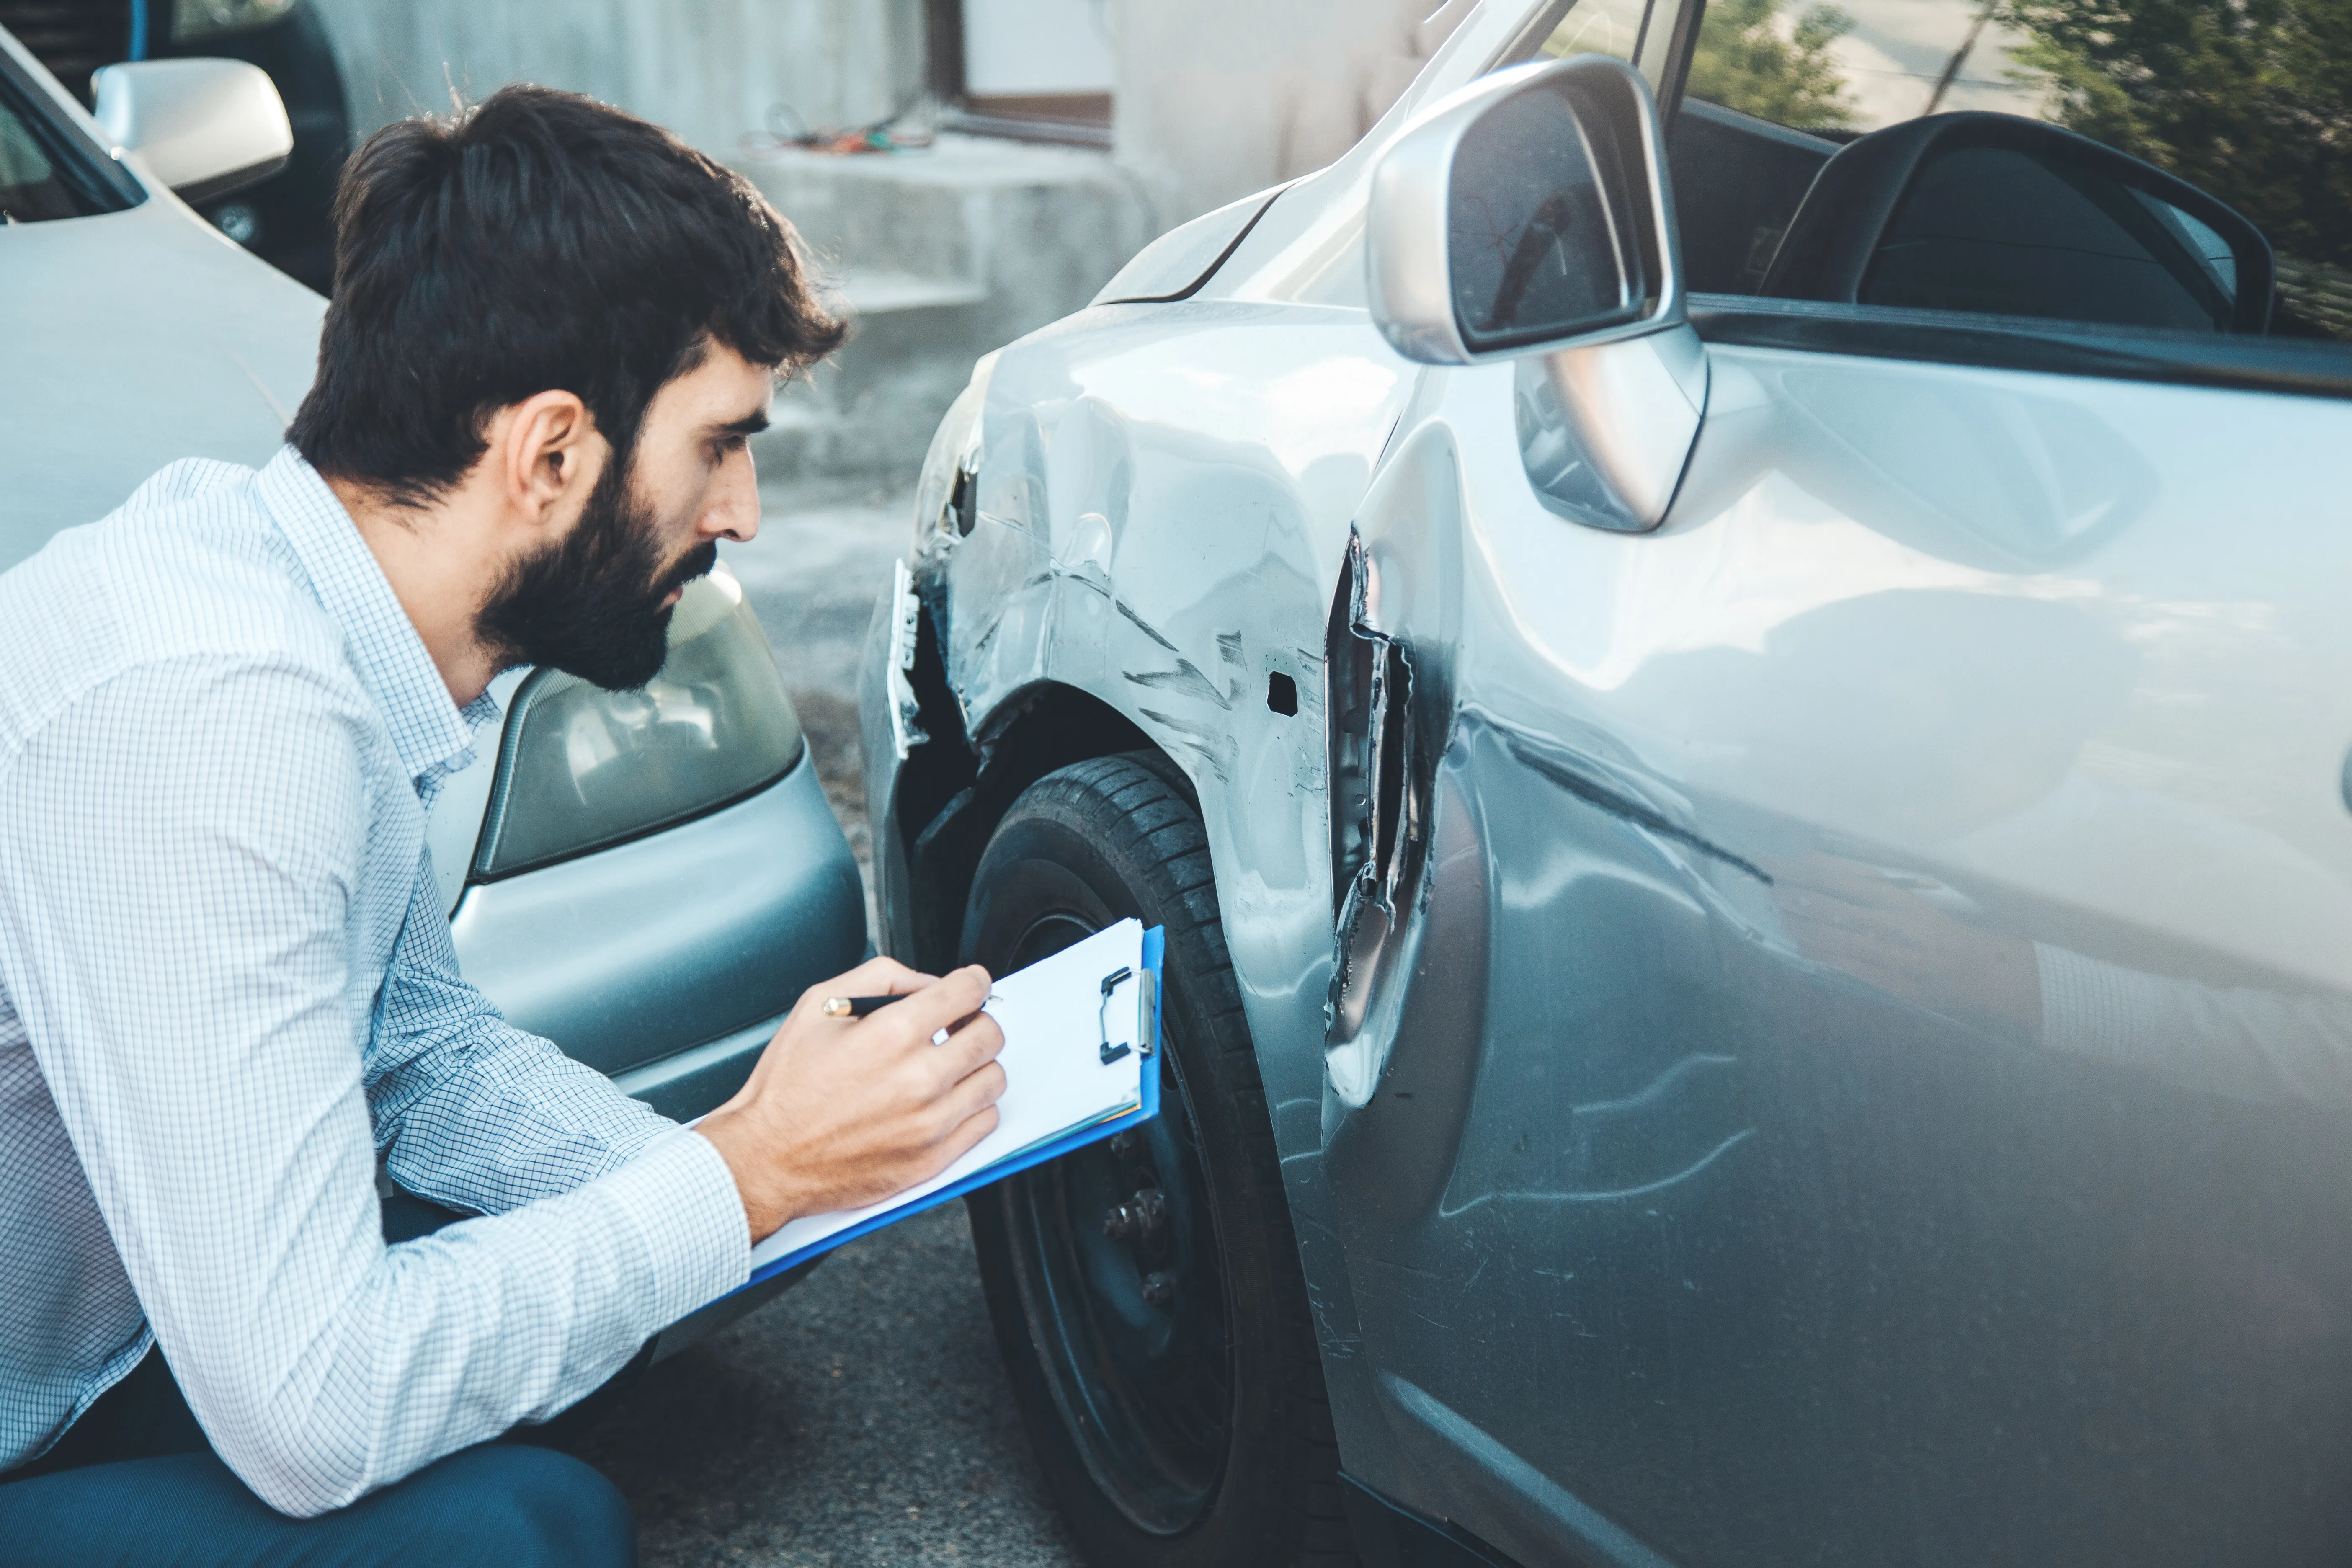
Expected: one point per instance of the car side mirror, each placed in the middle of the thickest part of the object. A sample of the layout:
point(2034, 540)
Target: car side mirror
point(1529, 217)
point(203, 127)
point(2001, 215)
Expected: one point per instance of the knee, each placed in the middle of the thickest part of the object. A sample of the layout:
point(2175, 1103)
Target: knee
point(534, 1508)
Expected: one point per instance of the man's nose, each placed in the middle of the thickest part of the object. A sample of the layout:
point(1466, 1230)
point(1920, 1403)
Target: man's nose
point(734, 509)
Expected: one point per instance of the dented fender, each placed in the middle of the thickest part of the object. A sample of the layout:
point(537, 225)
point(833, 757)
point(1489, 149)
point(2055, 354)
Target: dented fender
point(1128, 535)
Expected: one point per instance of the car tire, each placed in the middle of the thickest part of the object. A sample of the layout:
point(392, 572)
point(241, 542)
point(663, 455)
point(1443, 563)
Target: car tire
point(1168, 1377)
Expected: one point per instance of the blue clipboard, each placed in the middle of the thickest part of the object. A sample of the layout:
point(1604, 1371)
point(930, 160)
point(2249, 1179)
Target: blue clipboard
point(1155, 941)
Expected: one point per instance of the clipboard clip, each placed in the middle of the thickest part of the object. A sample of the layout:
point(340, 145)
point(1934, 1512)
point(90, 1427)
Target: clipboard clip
point(1111, 983)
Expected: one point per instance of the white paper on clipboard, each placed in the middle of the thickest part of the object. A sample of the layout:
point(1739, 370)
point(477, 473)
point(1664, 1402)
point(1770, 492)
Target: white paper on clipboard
point(1053, 1015)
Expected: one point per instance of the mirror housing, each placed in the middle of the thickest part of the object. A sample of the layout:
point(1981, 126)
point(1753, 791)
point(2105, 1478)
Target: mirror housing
point(203, 127)
point(1529, 210)
point(1529, 217)
point(2000, 214)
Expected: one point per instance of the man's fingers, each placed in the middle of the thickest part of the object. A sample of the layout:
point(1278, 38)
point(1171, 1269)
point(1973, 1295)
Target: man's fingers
point(964, 1052)
point(904, 980)
point(982, 1088)
point(957, 1143)
point(935, 1069)
point(930, 1008)
point(874, 977)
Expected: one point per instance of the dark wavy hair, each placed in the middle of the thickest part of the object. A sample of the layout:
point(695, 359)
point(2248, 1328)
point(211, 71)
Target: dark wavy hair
point(539, 241)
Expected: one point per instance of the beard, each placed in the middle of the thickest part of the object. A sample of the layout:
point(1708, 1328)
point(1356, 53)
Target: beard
point(590, 604)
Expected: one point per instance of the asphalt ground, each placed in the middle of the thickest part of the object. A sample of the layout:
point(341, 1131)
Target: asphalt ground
point(863, 1416)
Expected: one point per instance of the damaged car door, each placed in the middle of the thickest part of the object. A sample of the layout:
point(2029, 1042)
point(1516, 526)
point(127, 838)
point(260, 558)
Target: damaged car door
point(1527, 1083)
point(1840, 1041)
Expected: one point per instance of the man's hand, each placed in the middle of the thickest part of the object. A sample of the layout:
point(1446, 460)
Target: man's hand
point(843, 1112)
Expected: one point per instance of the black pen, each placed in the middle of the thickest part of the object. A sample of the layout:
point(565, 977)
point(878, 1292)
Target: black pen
point(858, 1007)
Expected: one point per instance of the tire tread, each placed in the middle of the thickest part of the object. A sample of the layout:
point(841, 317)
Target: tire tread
point(1148, 817)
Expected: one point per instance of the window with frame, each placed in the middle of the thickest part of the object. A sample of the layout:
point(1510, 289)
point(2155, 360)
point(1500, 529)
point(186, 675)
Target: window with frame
point(1639, 32)
point(2246, 103)
point(2175, 171)
point(46, 170)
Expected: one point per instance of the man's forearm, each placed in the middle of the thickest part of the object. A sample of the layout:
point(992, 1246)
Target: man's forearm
point(454, 1338)
point(469, 1110)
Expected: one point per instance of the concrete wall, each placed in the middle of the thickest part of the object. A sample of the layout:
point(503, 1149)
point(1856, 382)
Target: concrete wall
point(1216, 99)
point(710, 70)
point(1220, 97)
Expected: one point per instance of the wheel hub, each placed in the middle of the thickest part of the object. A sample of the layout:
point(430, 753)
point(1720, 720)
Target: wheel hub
point(1118, 1252)
point(1140, 1219)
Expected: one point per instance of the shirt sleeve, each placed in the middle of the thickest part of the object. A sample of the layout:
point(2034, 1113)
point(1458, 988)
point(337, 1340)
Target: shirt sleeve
point(183, 858)
point(471, 1111)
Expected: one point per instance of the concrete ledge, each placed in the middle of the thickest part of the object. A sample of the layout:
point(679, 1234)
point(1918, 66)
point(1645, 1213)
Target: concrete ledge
point(939, 256)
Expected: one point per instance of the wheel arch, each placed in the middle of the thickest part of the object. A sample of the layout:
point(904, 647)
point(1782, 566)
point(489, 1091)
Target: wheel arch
point(954, 790)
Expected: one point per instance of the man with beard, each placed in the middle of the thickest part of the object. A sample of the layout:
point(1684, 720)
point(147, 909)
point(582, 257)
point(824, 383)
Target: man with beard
point(227, 984)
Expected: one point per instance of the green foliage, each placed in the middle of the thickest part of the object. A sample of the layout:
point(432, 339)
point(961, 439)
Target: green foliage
point(2248, 99)
point(1743, 62)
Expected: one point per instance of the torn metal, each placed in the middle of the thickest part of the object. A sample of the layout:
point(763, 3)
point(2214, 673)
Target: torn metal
point(906, 623)
point(1378, 817)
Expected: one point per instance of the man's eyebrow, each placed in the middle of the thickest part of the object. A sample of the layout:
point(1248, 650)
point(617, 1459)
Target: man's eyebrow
point(749, 425)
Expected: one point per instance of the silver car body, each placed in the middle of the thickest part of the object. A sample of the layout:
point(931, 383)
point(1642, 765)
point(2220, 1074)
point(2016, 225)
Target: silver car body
point(1636, 1230)
point(138, 337)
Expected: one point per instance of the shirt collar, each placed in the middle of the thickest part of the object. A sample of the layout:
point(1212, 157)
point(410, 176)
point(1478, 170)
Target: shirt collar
point(433, 736)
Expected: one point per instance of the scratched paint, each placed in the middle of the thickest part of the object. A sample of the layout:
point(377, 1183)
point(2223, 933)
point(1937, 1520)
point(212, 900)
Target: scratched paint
point(1693, 1159)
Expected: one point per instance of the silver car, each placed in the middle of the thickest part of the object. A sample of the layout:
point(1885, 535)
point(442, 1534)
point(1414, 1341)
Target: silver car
point(648, 879)
point(1726, 651)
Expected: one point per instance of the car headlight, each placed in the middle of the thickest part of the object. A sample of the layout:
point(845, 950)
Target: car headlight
point(212, 18)
point(581, 768)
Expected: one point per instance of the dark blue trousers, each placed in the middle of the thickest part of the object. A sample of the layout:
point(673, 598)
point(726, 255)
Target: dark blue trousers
point(502, 1505)
point(133, 1482)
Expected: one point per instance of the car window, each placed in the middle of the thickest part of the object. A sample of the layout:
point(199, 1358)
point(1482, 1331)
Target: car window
point(30, 187)
point(46, 169)
point(1635, 31)
point(1983, 173)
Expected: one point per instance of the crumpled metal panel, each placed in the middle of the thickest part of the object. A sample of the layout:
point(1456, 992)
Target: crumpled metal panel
point(1861, 1065)
point(1162, 510)
point(1768, 1174)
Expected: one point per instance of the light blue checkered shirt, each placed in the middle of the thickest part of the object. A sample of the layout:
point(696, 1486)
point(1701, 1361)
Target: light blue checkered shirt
point(226, 986)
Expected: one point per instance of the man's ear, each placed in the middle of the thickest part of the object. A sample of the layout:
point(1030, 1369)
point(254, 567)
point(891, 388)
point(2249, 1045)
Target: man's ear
point(548, 455)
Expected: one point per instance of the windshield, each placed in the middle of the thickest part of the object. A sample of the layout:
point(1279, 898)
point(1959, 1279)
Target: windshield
point(46, 168)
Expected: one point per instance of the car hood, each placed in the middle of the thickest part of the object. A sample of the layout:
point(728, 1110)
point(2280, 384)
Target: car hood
point(131, 340)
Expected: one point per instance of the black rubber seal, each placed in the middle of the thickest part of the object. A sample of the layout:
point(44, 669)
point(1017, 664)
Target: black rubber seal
point(2305, 367)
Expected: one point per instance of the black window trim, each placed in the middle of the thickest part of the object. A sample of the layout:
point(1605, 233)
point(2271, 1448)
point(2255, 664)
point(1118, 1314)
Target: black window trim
point(2304, 366)
point(101, 182)
point(2308, 367)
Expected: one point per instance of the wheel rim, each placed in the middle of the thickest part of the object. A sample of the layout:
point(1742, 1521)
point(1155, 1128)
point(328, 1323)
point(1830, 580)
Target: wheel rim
point(1115, 1250)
